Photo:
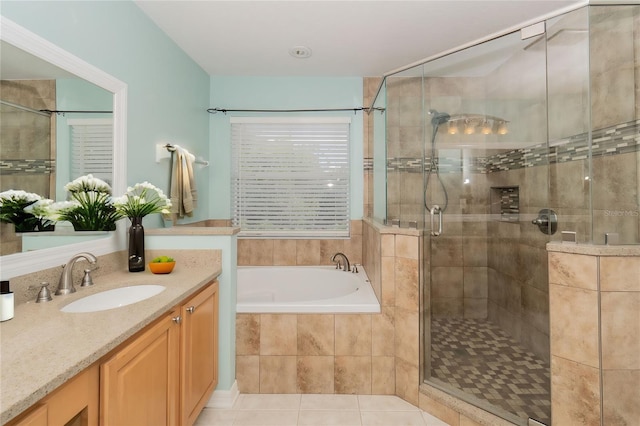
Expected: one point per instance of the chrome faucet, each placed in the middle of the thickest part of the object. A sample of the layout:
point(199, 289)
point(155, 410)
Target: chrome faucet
point(346, 265)
point(65, 285)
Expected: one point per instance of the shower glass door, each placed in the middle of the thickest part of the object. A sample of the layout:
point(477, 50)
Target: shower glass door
point(485, 180)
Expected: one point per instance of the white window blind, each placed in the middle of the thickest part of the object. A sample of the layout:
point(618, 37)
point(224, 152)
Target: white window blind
point(92, 148)
point(290, 177)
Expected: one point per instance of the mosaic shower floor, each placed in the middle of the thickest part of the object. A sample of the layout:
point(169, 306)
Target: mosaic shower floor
point(480, 359)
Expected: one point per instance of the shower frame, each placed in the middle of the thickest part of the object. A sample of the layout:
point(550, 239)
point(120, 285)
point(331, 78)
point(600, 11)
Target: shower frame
point(382, 93)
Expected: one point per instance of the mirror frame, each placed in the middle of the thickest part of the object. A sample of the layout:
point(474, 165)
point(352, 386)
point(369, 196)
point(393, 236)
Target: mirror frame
point(28, 262)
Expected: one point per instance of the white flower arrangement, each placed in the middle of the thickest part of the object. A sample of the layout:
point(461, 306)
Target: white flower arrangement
point(93, 209)
point(14, 205)
point(142, 199)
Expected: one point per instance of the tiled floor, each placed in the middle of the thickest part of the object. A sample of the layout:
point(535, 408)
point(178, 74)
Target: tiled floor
point(318, 410)
point(485, 362)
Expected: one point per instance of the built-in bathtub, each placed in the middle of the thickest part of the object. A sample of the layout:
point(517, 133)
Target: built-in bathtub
point(304, 289)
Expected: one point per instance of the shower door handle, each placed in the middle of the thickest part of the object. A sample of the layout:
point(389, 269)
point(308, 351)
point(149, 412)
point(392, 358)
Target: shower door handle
point(436, 210)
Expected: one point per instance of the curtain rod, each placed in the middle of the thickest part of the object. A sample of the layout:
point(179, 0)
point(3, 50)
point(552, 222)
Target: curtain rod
point(55, 111)
point(355, 110)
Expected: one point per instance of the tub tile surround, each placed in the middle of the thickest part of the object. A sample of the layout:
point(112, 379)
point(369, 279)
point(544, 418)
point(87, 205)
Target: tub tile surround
point(338, 353)
point(300, 252)
point(595, 324)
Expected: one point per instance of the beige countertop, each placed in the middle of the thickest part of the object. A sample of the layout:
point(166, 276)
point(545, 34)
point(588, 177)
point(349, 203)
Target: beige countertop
point(41, 348)
point(595, 250)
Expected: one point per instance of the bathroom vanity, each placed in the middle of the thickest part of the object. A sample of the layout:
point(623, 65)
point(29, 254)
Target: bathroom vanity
point(151, 362)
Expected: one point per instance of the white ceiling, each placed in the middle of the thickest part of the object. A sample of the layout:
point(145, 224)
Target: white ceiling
point(348, 38)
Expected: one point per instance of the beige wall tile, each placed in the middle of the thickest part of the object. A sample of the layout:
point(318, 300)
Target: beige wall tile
point(353, 375)
point(383, 375)
point(353, 249)
point(284, 252)
point(248, 373)
point(406, 280)
point(356, 227)
point(315, 374)
point(407, 246)
point(574, 324)
point(475, 282)
point(278, 374)
point(247, 334)
point(383, 332)
point(447, 307)
point(620, 316)
point(278, 334)
point(407, 381)
point(573, 270)
point(255, 252)
point(441, 411)
point(387, 245)
point(407, 336)
point(475, 251)
point(316, 334)
point(308, 252)
point(620, 273)
point(447, 282)
point(621, 393)
point(446, 251)
point(388, 281)
point(330, 247)
point(576, 393)
point(475, 308)
point(353, 334)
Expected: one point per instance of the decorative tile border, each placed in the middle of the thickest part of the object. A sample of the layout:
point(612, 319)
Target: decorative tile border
point(619, 139)
point(21, 166)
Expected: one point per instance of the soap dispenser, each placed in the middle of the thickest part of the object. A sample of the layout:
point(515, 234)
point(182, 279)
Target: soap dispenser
point(6, 301)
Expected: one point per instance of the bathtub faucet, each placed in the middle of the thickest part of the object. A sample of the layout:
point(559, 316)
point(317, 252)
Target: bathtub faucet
point(345, 261)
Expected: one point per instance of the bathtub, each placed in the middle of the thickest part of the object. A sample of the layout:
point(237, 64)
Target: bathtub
point(304, 289)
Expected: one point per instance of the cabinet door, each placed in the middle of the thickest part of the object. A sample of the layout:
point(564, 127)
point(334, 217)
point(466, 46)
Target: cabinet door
point(199, 352)
point(37, 417)
point(139, 384)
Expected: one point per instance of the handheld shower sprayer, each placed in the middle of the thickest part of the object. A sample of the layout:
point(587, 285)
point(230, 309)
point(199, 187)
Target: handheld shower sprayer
point(437, 118)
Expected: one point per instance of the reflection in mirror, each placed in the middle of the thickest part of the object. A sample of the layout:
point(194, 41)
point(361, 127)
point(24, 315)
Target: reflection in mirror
point(42, 60)
point(40, 150)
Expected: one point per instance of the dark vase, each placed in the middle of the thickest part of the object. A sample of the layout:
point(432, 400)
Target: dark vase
point(136, 245)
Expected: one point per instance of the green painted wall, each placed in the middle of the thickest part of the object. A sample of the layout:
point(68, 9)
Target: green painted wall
point(168, 93)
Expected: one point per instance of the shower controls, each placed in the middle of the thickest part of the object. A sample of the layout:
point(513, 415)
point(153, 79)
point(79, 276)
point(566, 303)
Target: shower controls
point(436, 210)
point(547, 221)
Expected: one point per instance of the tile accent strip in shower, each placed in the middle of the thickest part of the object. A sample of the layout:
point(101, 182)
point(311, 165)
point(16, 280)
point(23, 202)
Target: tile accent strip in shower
point(619, 139)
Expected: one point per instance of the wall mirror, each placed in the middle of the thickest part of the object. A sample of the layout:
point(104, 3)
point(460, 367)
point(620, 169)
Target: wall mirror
point(26, 56)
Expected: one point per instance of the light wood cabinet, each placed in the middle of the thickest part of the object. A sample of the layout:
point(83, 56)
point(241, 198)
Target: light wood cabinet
point(198, 352)
point(139, 384)
point(73, 404)
point(165, 375)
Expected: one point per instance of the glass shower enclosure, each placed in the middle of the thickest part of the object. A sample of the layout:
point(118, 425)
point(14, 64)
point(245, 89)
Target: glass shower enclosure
point(495, 150)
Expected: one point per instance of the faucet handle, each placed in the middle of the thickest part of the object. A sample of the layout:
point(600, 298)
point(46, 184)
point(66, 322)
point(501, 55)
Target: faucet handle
point(87, 280)
point(44, 295)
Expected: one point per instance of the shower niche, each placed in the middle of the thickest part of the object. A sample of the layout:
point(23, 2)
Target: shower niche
point(505, 203)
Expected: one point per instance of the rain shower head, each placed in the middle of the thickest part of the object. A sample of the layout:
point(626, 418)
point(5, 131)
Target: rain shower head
point(438, 118)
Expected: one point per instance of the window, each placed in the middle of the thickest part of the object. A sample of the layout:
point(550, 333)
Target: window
point(92, 148)
point(290, 177)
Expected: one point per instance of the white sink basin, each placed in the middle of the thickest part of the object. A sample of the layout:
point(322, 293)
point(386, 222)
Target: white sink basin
point(115, 298)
